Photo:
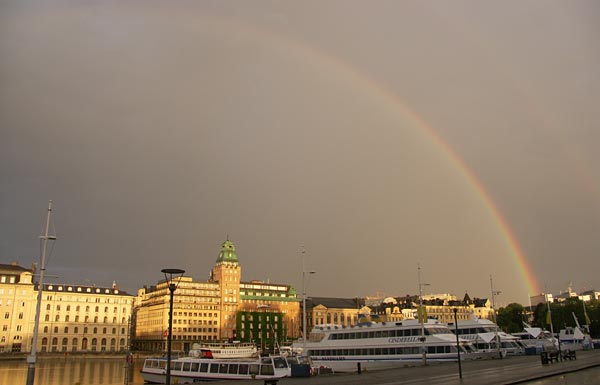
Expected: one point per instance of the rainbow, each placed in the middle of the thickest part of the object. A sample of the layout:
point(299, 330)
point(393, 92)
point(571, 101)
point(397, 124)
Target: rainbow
point(303, 50)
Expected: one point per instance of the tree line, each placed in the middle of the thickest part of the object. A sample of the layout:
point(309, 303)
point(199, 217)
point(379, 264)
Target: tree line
point(511, 318)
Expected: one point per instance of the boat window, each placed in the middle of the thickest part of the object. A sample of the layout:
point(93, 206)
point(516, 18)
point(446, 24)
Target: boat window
point(195, 366)
point(243, 369)
point(223, 368)
point(254, 369)
point(265, 360)
point(214, 368)
point(204, 367)
point(162, 364)
point(187, 366)
point(266, 370)
point(280, 363)
point(176, 365)
point(233, 368)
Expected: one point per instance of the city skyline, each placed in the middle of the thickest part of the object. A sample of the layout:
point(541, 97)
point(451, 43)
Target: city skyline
point(375, 137)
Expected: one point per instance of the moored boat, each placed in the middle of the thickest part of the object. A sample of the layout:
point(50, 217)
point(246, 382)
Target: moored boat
point(375, 345)
point(224, 350)
point(486, 336)
point(189, 370)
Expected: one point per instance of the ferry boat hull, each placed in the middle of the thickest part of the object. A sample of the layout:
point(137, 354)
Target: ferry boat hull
point(375, 346)
point(191, 370)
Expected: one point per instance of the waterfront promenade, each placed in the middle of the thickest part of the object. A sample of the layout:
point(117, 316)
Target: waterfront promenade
point(511, 370)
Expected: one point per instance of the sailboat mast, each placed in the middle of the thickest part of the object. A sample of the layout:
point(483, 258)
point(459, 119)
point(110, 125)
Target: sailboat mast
point(31, 359)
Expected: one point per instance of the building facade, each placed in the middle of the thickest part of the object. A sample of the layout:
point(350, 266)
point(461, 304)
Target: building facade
point(72, 318)
point(221, 308)
point(196, 315)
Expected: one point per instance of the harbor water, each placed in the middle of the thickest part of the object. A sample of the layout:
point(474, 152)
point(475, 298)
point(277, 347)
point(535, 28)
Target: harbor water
point(73, 371)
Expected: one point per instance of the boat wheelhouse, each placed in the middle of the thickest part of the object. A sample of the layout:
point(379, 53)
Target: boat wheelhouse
point(375, 345)
point(189, 370)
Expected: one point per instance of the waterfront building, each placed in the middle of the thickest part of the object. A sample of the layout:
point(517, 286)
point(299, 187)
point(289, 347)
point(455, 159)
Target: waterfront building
point(196, 315)
point(339, 311)
point(221, 308)
point(73, 318)
point(17, 308)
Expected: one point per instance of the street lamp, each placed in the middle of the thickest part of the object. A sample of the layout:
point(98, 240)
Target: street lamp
point(31, 359)
point(169, 273)
point(497, 337)
point(304, 273)
point(421, 315)
point(455, 310)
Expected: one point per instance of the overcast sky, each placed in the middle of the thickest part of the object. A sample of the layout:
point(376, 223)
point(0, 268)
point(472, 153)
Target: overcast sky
point(160, 128)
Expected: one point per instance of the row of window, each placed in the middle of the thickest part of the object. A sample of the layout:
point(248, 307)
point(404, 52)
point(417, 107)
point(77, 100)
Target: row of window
point(388, 333)
point(84, 344)
point(85, 330)
point(383, 351)
point(85, 319)
point(87, 308)
point(223, 368)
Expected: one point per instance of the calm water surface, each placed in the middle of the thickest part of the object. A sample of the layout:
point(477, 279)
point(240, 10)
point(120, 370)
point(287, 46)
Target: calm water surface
point(72, 371)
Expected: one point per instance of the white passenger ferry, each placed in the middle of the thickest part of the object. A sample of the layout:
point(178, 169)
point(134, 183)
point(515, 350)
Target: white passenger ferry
point(485, 335)
point(384, 345)
point(190, 370)
point(224, 350)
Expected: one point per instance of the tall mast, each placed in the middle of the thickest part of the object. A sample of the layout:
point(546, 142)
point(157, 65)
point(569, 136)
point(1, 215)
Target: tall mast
point(31, 359)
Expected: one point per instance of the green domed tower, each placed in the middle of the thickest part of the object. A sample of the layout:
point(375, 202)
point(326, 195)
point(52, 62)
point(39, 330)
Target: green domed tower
point(227, 272)
point(227, 253)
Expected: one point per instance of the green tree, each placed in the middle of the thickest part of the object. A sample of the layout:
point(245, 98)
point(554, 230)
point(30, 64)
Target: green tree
point(510, 318)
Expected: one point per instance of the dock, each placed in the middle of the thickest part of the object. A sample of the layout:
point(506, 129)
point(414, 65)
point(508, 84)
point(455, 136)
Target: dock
point(510, 370)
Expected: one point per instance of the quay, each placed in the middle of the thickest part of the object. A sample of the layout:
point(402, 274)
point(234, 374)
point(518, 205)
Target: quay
point(510, 370)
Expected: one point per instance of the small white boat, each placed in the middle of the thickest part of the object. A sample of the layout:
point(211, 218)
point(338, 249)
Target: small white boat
point(575, 338)
point(190, 370)
point(220, 350)
point(486, 336)
point(539, 339)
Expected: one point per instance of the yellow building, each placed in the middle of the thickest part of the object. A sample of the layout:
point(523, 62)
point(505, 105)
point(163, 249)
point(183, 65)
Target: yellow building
point(17, 308)
point(218, 309)
point(196, 315)
point(72, 318)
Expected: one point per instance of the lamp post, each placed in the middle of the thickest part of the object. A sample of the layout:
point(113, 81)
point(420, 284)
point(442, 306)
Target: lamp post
point(31, 359)
point(169, 273)
point(497, 337)
point(455, 310)
point(421, 315)
point(304, 273)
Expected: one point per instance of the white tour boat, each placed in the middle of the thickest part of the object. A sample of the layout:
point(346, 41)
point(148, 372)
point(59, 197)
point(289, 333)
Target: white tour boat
point(189, 370)
point(484, 334)
point(538, 338)
point(375, 345)
point(575, 338)
point(224, 350)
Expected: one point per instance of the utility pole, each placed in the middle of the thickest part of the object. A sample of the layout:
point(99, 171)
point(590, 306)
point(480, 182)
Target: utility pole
point(31, 359)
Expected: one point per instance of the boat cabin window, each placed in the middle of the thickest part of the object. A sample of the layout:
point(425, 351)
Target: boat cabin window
point(267, 370)
point(265, 360)
point(233, 368)
point(195, 366)
point(280, 363)
point(176, 365)
point(254, 369)
point(243, 369)
point(203, 367)
point(187, 366)
point(223, 368)
point(214, 368)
